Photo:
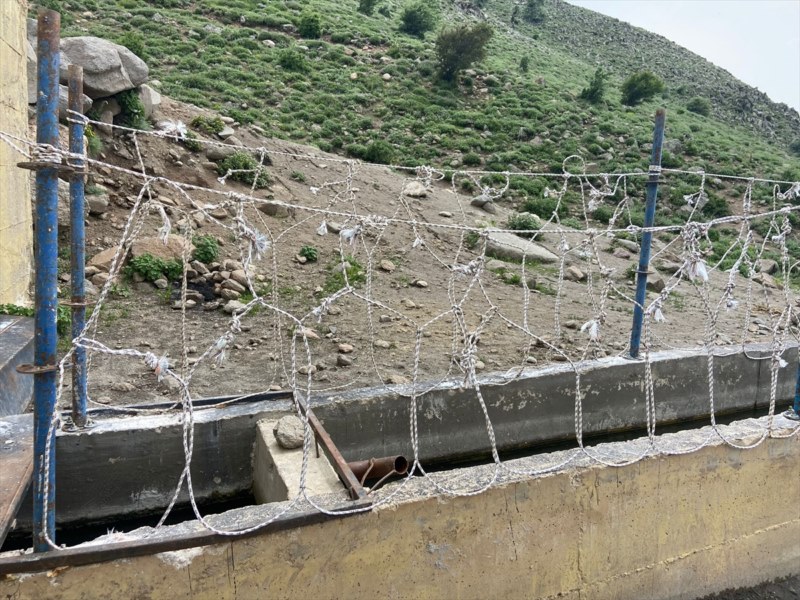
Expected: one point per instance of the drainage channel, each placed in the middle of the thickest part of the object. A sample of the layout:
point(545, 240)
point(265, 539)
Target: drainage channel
point(77, 533)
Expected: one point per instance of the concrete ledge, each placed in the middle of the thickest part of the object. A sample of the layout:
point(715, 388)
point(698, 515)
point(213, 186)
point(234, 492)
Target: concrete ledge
point(667, 527)
point(16, 348)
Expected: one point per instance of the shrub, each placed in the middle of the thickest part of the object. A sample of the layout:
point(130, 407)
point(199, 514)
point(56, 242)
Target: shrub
point(152, 267)
point(701, 106)
point(379, 152)
point(417, 19)
point(310, 253)
point(458, 48)
point(244, 167)
point(597, 88)
point(310, 25)
point(716, 207)
point(206, 248)
point(93, 142)
point(603, 214)
point(534, 11)
point(292, 60)
point(524, 223)
point(795, 147)
point(209, 125)
point(190, 142)
point(544, 207)
point(524, 64)
point(367, 6)
point(471, 159)
point(132, 114)
point(133, 42)
point(640, 87)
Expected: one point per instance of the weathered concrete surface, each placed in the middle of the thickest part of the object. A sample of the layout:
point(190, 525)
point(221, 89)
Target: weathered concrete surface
point(276, 470)
point(16, 348)
point(667, 527)
point(16, 230)
point(112, 469)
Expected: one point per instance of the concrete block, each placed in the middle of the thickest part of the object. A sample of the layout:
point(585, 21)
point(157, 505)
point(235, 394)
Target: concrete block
point(276, 470)
point(16, 348)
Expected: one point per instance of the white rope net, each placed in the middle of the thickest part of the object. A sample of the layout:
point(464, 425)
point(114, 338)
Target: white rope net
point(465, 311)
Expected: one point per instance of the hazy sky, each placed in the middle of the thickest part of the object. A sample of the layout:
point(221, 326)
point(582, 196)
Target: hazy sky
point(758, 41)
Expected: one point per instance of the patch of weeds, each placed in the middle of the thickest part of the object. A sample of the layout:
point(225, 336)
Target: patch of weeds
point(208, 125)
point(119, 290)
point(206, 248)
point(152, 267)
point(244, 169)
point(93, 142)
point(545, 207)
point(677, 302)
point(573, 222)
point(310, 253)
point(336, 278)
point(524, 225)
point(63, 316)
point(132, 114)
point(471, 239)
point(191, 143)
point(93, 190)
point(298, 176)
point(545, 288)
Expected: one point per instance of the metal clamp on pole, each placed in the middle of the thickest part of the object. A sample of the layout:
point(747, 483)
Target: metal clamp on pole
point(647, 235)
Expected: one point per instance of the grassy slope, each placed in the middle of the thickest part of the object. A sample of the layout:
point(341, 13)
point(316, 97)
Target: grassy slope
point(233, 70)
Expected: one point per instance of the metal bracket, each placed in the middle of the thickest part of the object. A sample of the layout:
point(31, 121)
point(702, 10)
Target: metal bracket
point(77, 303)
point(37, 165)
point(28, 369)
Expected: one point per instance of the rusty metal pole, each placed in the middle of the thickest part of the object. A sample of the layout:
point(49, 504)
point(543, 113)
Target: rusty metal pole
point(46, 256)
point(77, 243)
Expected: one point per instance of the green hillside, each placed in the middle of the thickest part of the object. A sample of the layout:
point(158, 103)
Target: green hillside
point(364, 81)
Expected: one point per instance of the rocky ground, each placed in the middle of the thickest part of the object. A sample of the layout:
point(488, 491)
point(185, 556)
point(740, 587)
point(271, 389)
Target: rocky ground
point(412, 285)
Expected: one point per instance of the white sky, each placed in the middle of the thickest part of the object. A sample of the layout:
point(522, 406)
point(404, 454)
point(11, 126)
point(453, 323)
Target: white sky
point(757, 41)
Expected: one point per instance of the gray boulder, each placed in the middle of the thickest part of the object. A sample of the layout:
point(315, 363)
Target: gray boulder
point(508, 245)
point(108, 68)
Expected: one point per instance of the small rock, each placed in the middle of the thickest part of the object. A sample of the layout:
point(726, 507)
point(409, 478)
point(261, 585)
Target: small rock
point(240, 277)
point(229, 294)
point(382, 344)
point(573, 273)
point(621, 253)
point(415, 189)
point(98, 204)
point(495, 265)
point(408, 303)
point(421, 283)
point(307, 332)
point(289, 431)
point(100, 279)
point(386, 77)
point(334, 227)
point(395, 379)
point(161, 283)
point(307, 369)
point(388, 266)
point(767, 265)
point(226, 132)
point(300, 259)
point(122, 386)
point(233, 306)
point(343, 361)
point(445, 214)
point(385, 319)
point(572, 324)
point(231, 284)
point(345, 348)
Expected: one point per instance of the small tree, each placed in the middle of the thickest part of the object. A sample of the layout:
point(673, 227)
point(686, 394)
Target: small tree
point(458, 48)
point(417, 19)
point(533, 11)
point(524, 64)
point(310, 25)
point(597, 87)
point(640, 87)
point(367, 6)
point(700, 106)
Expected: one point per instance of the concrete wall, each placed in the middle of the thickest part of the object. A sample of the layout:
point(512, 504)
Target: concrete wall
point(16, 242)
point(667, 527)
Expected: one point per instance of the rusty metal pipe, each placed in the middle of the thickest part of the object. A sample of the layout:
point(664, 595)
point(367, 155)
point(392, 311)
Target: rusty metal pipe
point(378, 468)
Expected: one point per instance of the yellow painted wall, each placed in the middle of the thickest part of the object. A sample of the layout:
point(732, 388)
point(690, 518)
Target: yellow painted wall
point(667, 527)
point(16, 241)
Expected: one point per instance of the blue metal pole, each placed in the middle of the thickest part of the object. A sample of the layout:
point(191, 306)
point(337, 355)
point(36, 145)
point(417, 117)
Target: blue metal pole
point(796, 406)
point(647, 236)
point(46, 253)
point(77, 244)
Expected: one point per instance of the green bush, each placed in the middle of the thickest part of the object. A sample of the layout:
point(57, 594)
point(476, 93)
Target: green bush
point(640, 87)
point(133, 42)
point(701, 106)
point(526, 225)
point(367, 6)
point(597, 88)
point(471, 159)
point(544, 207)
point(794, 147)
point(458, 48)
point(191, 143)
point(603, 214)
point(292, 59)
point(132, 114)
point(524, 64)
point(206, 248)
point(534, 11)
point(379, 152)
point(244, 167)
point(716, 207)
point(310, 25)
point(208, 125)
point(310, 253)
point(152, 267)
point(417, 19)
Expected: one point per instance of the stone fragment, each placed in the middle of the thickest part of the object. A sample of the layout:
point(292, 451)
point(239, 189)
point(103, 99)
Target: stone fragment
point(289, 432)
